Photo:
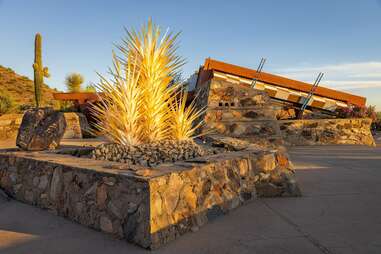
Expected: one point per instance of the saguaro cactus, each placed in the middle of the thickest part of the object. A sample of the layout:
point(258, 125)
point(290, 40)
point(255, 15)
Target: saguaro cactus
point(39, 71)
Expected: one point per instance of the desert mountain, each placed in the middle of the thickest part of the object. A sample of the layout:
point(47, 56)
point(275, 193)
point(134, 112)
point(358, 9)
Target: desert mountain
point(21, 89)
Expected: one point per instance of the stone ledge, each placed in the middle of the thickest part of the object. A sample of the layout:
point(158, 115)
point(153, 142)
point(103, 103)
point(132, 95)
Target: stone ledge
point(354, 131)
point(148, 207)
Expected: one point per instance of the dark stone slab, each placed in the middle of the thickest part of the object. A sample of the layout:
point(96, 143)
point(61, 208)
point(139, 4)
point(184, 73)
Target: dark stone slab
point(41, 129)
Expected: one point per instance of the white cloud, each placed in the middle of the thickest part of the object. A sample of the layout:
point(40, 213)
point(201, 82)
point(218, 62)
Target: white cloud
point(345, 76)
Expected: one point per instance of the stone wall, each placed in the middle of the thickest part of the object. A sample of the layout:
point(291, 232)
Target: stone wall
point(148, 207)
point(82, 191)
point(327, 131)
point(77, 125)
point(9, 125)
point(237, 110)
point(195, 194)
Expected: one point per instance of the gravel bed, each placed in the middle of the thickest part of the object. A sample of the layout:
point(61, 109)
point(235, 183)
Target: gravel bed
point(153, 153)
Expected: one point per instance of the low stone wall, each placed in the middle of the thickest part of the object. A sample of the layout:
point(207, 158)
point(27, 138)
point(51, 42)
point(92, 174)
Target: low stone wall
point(9, 126)
point(327, 131)
point(147, 206)
point(76, 125)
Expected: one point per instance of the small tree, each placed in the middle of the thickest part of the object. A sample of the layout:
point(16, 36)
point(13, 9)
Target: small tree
point(74, 82)
point(90, 89)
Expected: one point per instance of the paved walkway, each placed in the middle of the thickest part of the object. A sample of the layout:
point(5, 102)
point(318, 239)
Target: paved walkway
point(340, 212)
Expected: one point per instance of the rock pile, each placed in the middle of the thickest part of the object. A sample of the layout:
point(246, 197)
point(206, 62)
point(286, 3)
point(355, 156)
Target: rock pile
point(150, 154)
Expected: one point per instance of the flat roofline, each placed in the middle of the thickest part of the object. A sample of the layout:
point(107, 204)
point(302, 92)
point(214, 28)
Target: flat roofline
point(214, 65)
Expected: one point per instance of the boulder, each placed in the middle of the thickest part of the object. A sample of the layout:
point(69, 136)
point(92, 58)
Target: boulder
point(41, 129)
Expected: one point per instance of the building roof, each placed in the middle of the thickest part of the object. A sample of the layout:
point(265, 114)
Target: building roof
point(210, 65)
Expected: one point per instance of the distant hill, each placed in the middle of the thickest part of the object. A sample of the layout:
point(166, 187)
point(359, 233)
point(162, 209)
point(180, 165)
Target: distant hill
point(21, 89)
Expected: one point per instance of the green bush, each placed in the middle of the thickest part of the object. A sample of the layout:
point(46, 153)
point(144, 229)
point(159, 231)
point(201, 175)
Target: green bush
point(74, 82)
point(90, 89)
point(6, 104)
point(66, 106)
point(24, 107)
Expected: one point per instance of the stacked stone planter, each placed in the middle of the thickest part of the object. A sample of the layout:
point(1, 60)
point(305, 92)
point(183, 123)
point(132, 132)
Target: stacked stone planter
point(146, 206)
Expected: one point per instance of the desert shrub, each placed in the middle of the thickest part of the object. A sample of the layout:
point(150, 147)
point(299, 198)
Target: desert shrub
point(24, 107)
point(353, 111)
point(66, 106)
point(74, 82)
point(55, 104)
point(90, 89)
point(371, 112)
point(6, 103)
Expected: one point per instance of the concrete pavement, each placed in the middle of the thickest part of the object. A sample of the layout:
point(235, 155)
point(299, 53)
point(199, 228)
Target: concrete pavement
point(340, 212)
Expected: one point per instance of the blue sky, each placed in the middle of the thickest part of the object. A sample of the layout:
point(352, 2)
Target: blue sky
point(299, 38)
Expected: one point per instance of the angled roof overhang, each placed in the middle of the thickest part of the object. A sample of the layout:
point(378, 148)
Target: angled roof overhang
point(210, 65)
